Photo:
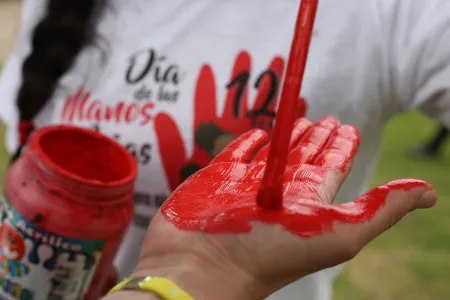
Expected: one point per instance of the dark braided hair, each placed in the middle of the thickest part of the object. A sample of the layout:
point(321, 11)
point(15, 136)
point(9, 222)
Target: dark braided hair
point(67, 27)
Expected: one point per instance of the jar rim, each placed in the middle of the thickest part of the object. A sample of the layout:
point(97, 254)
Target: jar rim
point(36, 147)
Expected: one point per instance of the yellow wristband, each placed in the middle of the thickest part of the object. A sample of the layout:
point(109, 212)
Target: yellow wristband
point(162, 287)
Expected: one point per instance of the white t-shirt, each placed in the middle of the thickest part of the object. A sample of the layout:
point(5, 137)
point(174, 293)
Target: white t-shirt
point(163, 67)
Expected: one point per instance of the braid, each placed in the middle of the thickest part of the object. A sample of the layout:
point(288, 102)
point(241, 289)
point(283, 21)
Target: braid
point(67, 27)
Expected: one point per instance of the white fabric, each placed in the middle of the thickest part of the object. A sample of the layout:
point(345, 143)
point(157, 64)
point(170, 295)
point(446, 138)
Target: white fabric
point(369, 60)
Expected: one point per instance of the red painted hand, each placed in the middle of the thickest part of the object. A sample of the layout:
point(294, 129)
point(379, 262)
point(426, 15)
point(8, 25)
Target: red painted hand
point(216, 228)
point(320, 159)
point(212, 132)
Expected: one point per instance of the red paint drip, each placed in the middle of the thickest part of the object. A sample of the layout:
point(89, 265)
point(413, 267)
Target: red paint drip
point(270, 196)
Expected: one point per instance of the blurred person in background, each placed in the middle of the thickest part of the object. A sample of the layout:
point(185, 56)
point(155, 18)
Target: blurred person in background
point(433, 148)
point(176, 81)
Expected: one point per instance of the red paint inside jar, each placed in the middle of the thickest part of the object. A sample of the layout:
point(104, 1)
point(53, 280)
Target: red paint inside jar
point(87, 157)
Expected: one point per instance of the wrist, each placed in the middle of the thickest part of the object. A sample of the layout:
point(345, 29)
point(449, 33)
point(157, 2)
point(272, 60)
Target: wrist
point(200, 278)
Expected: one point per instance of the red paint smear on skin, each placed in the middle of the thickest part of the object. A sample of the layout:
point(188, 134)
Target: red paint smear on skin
point(222, 213)
point(270, 195)
point(221, 198)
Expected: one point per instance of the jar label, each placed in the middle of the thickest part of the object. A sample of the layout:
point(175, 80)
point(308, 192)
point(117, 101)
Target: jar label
point(37, 264)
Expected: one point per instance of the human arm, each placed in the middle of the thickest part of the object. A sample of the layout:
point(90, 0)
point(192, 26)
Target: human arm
point(419, 54)
point(210, 236)
point(198, 275)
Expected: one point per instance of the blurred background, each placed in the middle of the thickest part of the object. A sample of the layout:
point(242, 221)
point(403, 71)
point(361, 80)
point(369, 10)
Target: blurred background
point(412, 260)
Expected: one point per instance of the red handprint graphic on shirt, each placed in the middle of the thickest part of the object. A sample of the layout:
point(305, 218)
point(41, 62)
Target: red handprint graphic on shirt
point(212, 132)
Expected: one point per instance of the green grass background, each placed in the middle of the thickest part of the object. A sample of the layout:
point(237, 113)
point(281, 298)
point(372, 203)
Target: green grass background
point(412, 260)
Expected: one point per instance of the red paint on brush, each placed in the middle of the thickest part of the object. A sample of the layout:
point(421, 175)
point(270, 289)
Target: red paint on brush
point(270, 196)
point(221, 197)
point(75, 184)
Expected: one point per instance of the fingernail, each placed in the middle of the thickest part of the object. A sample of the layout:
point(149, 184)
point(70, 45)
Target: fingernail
point(428, 199)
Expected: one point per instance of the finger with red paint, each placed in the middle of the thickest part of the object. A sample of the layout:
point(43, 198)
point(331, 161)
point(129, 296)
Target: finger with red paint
point(336, 157)
point(243, 148)
point(300, 127)
point(311, 143)
point(252, 146)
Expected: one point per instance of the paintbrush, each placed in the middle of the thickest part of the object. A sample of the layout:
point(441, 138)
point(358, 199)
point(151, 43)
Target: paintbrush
point(270, 194)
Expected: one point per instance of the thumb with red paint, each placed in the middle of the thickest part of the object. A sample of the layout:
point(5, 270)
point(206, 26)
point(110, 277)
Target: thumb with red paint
point(387, 204)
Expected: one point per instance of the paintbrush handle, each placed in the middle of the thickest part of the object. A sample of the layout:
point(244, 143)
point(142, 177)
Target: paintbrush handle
point(270, 195)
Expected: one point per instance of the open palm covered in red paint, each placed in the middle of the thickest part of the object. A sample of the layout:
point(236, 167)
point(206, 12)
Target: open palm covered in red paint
point(212, 221)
